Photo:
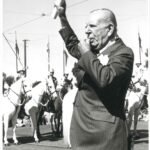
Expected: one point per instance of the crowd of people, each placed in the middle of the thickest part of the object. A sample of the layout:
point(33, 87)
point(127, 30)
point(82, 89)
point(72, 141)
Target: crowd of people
point(139, 79)
point(137, 97)
point(8, 80)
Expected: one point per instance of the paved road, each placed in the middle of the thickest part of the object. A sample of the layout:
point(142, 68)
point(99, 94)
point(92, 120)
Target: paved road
point(49, 142)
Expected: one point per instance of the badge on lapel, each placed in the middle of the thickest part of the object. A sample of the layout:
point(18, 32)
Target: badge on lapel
point(103, 59)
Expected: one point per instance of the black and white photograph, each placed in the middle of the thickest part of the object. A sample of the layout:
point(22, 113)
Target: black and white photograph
point(75, 75)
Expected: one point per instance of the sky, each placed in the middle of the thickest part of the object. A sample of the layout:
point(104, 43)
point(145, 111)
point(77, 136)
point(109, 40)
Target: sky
point(31, 20)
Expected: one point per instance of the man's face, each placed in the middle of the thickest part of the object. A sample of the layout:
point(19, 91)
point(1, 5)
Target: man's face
point(97, 32)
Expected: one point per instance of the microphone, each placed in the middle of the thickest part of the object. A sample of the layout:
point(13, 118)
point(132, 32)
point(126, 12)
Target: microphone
point(55, 12)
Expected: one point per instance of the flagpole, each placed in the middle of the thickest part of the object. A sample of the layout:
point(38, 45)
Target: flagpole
point(65, 57)
point(48, 51)
point(25, 56)
point(12, 49)
point(139, 47)
point(16, 52)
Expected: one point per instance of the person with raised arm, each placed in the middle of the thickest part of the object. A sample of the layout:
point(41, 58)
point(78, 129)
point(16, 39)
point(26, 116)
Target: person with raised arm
point(103, 74)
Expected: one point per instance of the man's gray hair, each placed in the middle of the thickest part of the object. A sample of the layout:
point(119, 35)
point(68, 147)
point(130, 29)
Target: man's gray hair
point(109, 18)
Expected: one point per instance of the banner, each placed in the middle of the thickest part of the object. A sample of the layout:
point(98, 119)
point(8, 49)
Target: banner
point(65, 58)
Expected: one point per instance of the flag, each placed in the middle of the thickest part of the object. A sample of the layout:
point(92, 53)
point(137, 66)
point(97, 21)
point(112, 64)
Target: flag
point(17, 54)
point(140, 48)
point(140, 41)
point(48, 51)
point(17, 48)
point(48, 45)
point(65, 57)
point(16, 44)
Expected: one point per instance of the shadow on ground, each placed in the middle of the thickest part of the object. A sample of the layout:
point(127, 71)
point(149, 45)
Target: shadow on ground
point(143, 137)
point(29, 139)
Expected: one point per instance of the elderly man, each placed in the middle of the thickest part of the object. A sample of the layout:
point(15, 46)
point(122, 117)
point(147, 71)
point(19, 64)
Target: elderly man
point(103, 73)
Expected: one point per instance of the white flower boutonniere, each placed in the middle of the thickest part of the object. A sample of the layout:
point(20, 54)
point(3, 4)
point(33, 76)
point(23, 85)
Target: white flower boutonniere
point(103, 59)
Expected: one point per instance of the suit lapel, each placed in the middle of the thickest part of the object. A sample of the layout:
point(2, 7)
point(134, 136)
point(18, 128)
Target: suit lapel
point(113, 47)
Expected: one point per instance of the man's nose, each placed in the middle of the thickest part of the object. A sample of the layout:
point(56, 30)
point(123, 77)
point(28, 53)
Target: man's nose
point(87, 30)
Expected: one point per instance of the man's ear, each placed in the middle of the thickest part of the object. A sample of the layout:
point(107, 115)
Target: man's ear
point(111, 29)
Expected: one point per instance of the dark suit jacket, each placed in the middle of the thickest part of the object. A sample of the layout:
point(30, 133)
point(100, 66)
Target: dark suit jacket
point(98, 121)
